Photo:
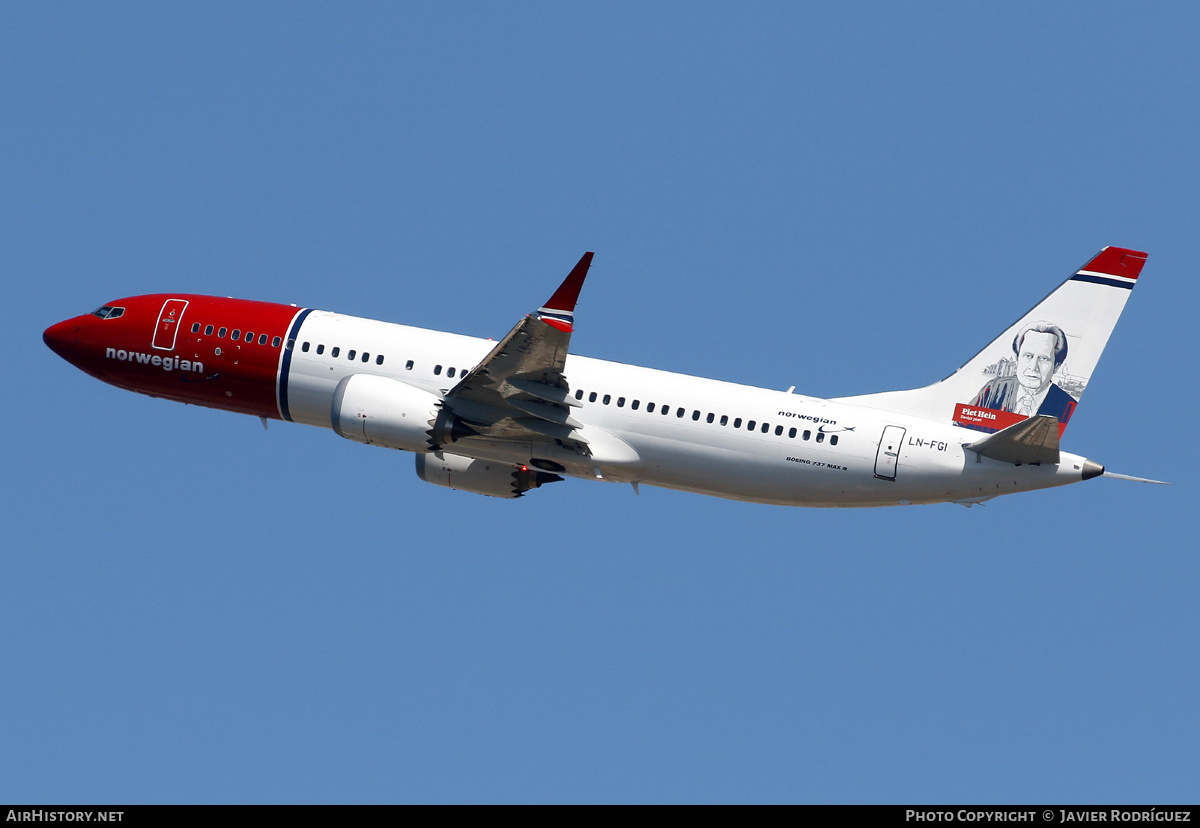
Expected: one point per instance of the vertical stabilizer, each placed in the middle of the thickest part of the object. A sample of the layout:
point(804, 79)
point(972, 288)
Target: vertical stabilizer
point(1041, 364)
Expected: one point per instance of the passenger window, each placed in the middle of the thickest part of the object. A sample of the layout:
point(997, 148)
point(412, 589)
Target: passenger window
point(607, 399)
point(807, 434)
point(579, 394)
point(236, 335)
point(262, 339)
point(634, 405)
point(304, 347)
point(620, 402)
point(766, 427)
point(336, 350)
point(437, 370)
point(778, 430)
point(750, 425)
point(196, 328)
point(291, 344)
point(737, 422)
point(679, 412)
point(665, 409)
point(320, 349)
point(792, 433)
point(695, 416)
point(820, 436)
point(274, 340)
point(592, 397)
point(222, 331)
point(724, 420)
point(379, 360)
point(833, 439)
point(366, 357)
point(249, 336)
point(350, 354)
point(408, 366)
point(449, 372)
point(208, 329)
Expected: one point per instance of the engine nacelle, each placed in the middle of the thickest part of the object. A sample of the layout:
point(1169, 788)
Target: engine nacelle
point(384, 412)
point(483, 477)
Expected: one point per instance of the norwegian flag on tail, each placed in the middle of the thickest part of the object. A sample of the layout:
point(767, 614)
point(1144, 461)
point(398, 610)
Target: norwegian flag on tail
point(1112, 266)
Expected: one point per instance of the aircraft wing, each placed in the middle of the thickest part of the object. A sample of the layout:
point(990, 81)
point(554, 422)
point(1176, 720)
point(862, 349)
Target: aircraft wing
point(519, 392)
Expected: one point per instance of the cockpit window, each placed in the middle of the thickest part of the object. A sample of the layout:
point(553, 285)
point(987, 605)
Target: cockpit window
point(108, 312)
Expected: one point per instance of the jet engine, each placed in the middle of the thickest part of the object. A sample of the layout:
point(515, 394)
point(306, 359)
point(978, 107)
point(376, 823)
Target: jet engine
point(384, 412)
point(483, 477)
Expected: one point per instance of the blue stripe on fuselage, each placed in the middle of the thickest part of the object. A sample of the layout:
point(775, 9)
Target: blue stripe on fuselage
point(287, 362)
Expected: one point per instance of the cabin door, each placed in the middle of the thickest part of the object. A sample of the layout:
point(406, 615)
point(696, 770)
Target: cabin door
point(168, 324)
point(889, 452)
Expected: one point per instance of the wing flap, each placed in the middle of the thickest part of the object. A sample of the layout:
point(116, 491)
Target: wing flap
point(548, 429)
point(545, 411)
point(547, 393)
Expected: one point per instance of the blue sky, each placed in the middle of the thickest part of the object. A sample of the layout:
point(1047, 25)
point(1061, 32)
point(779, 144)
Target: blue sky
point(845, 198)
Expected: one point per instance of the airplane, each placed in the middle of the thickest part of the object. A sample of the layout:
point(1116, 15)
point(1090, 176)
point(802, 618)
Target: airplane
point(504, 418)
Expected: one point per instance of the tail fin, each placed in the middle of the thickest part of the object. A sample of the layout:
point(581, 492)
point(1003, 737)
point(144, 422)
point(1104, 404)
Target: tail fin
point(1041, 364)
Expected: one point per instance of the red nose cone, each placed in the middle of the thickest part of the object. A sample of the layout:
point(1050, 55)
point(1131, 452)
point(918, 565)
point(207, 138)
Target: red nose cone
point(62, 338)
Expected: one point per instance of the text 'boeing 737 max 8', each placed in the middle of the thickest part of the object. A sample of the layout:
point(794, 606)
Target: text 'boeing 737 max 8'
point(502, 418)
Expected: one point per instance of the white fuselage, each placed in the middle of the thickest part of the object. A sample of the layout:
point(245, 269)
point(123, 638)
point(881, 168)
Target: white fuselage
point(800, 451)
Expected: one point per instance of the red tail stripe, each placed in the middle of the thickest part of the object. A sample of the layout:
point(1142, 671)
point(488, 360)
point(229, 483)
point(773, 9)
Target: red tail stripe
point(1117, 261)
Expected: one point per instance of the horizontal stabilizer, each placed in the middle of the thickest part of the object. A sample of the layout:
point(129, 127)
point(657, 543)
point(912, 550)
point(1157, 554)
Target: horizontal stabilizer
point(1033, 441)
